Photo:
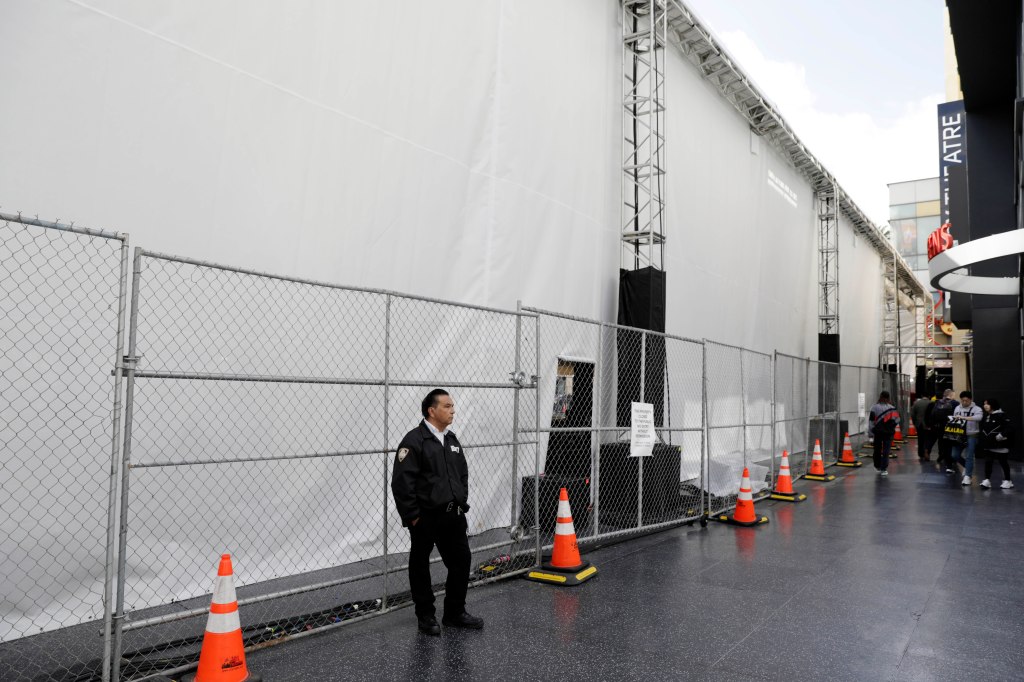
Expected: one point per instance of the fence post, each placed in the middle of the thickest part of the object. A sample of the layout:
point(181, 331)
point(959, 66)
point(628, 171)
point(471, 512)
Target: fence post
point(517, 381)
point(743, 409)
point(595, 466)
point(536, 451)
point(115, 451)
point(130, 361)
point(705, 472)
point(640, 460)
point(387, 441)
point(807, 416)
point(839, 410)
point(775, 360)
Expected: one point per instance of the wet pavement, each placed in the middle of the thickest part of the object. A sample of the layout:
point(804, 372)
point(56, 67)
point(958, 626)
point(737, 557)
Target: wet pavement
point(909, 577)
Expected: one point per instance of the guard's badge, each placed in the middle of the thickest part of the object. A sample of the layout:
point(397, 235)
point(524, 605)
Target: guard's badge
point(455, 448)
point(402, 454)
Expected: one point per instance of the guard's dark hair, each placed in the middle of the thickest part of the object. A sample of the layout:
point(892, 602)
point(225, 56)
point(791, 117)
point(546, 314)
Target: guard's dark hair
point(966, 394)
point(431, 400)
point(994, 404)
point(883, 397)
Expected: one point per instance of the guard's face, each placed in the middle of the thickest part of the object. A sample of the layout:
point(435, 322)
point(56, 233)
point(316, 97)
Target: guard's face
point(444, 411)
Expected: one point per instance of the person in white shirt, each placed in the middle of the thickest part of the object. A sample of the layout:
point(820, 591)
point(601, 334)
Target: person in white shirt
point(963, 453)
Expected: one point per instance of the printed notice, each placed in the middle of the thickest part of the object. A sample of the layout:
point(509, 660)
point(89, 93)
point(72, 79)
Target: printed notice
point(861, 405)
point(642, 435)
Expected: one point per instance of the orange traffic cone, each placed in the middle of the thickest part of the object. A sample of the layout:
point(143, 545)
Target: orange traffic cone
point(817, 472)
point(744, 514)
point(911, 431)
point(784, 483)
point(898, 438)
point(564, 566)
point(222, 658)
point(848, 460)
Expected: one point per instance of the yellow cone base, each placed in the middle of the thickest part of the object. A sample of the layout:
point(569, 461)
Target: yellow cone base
point(850, 464)
point(725, 518)
point(815, 477)
point(788, 497)
point(561, 576)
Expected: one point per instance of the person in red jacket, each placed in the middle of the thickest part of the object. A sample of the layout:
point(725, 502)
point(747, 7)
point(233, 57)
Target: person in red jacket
point(882, 422)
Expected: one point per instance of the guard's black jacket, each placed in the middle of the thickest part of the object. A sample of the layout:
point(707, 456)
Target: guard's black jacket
point(428, 476)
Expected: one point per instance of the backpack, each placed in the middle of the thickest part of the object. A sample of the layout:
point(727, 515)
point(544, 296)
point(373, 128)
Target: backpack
point(885, 423)
point(941, 413)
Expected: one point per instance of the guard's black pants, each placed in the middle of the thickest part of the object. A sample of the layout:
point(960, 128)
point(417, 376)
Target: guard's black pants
point(448, 532)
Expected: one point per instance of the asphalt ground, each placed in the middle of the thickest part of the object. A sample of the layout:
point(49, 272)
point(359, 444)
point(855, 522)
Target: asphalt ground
point(907, 577)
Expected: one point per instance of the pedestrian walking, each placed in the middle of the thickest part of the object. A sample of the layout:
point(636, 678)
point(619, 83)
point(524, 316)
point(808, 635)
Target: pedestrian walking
point(882, 422)
point(918, 415)
point(431, 487)
point(995, 434)
point(963, 449)
point(941, 411)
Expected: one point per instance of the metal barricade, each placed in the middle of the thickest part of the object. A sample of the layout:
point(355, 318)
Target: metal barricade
point(590, 374)
point(262, 415)
point(793, 411)
point(61, 314)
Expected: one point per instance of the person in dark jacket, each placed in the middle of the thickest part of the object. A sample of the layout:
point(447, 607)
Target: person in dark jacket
point(919, 415)
point(430, 483)
point(941, 411)
point(996, 432)
point(882, 423)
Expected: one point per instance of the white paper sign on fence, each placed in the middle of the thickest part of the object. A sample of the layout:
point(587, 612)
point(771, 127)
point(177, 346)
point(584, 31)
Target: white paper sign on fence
point(642, 435)
point(861, 406)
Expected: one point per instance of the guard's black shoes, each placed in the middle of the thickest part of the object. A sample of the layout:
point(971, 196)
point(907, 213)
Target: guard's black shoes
point(428, 626)
point(463, 620)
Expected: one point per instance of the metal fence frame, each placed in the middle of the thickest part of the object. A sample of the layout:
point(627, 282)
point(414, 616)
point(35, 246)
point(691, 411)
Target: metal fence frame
point(115, 349)
point(387, 382)
point(776, 398)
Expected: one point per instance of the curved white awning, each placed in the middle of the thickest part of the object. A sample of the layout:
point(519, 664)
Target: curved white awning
point(948, 270)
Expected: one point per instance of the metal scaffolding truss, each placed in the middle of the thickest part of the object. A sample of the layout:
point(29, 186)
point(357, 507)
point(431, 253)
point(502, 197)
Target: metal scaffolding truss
point(643, 133)
point(828, 261)
point(695, 42)
point(891, 351)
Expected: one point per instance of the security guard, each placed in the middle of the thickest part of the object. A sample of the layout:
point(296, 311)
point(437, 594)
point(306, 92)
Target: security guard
point(431, 483)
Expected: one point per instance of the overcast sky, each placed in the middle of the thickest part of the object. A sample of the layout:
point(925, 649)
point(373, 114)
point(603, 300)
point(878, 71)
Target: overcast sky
point(858, 81)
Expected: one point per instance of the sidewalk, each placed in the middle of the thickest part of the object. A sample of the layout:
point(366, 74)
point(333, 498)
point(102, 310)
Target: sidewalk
point(907, 577)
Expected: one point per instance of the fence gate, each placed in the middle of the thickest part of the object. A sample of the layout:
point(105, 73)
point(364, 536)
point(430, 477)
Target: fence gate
point(61, 321)
point(262, 415)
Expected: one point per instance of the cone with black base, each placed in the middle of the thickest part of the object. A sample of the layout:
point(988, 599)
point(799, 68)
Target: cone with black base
point(744, 514)
point(784, 483)
point(564, 567)
point(222, 657)
point(911, 431)
point(847, 459)
point(817, 472)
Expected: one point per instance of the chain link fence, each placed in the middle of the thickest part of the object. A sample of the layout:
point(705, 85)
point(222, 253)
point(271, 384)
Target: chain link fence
point(260, 417)
point(263, 416)
point(61, 318)
point(591, 373)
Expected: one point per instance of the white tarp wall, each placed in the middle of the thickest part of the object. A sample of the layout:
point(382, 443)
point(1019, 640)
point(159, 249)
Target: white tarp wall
point(468, 150)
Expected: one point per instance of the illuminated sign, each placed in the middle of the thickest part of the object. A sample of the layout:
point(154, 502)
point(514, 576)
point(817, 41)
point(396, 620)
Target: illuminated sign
point(939, 241)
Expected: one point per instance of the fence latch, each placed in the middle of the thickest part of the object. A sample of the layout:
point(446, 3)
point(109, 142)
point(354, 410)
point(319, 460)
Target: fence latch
point(129, 362)
point(519, 379)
